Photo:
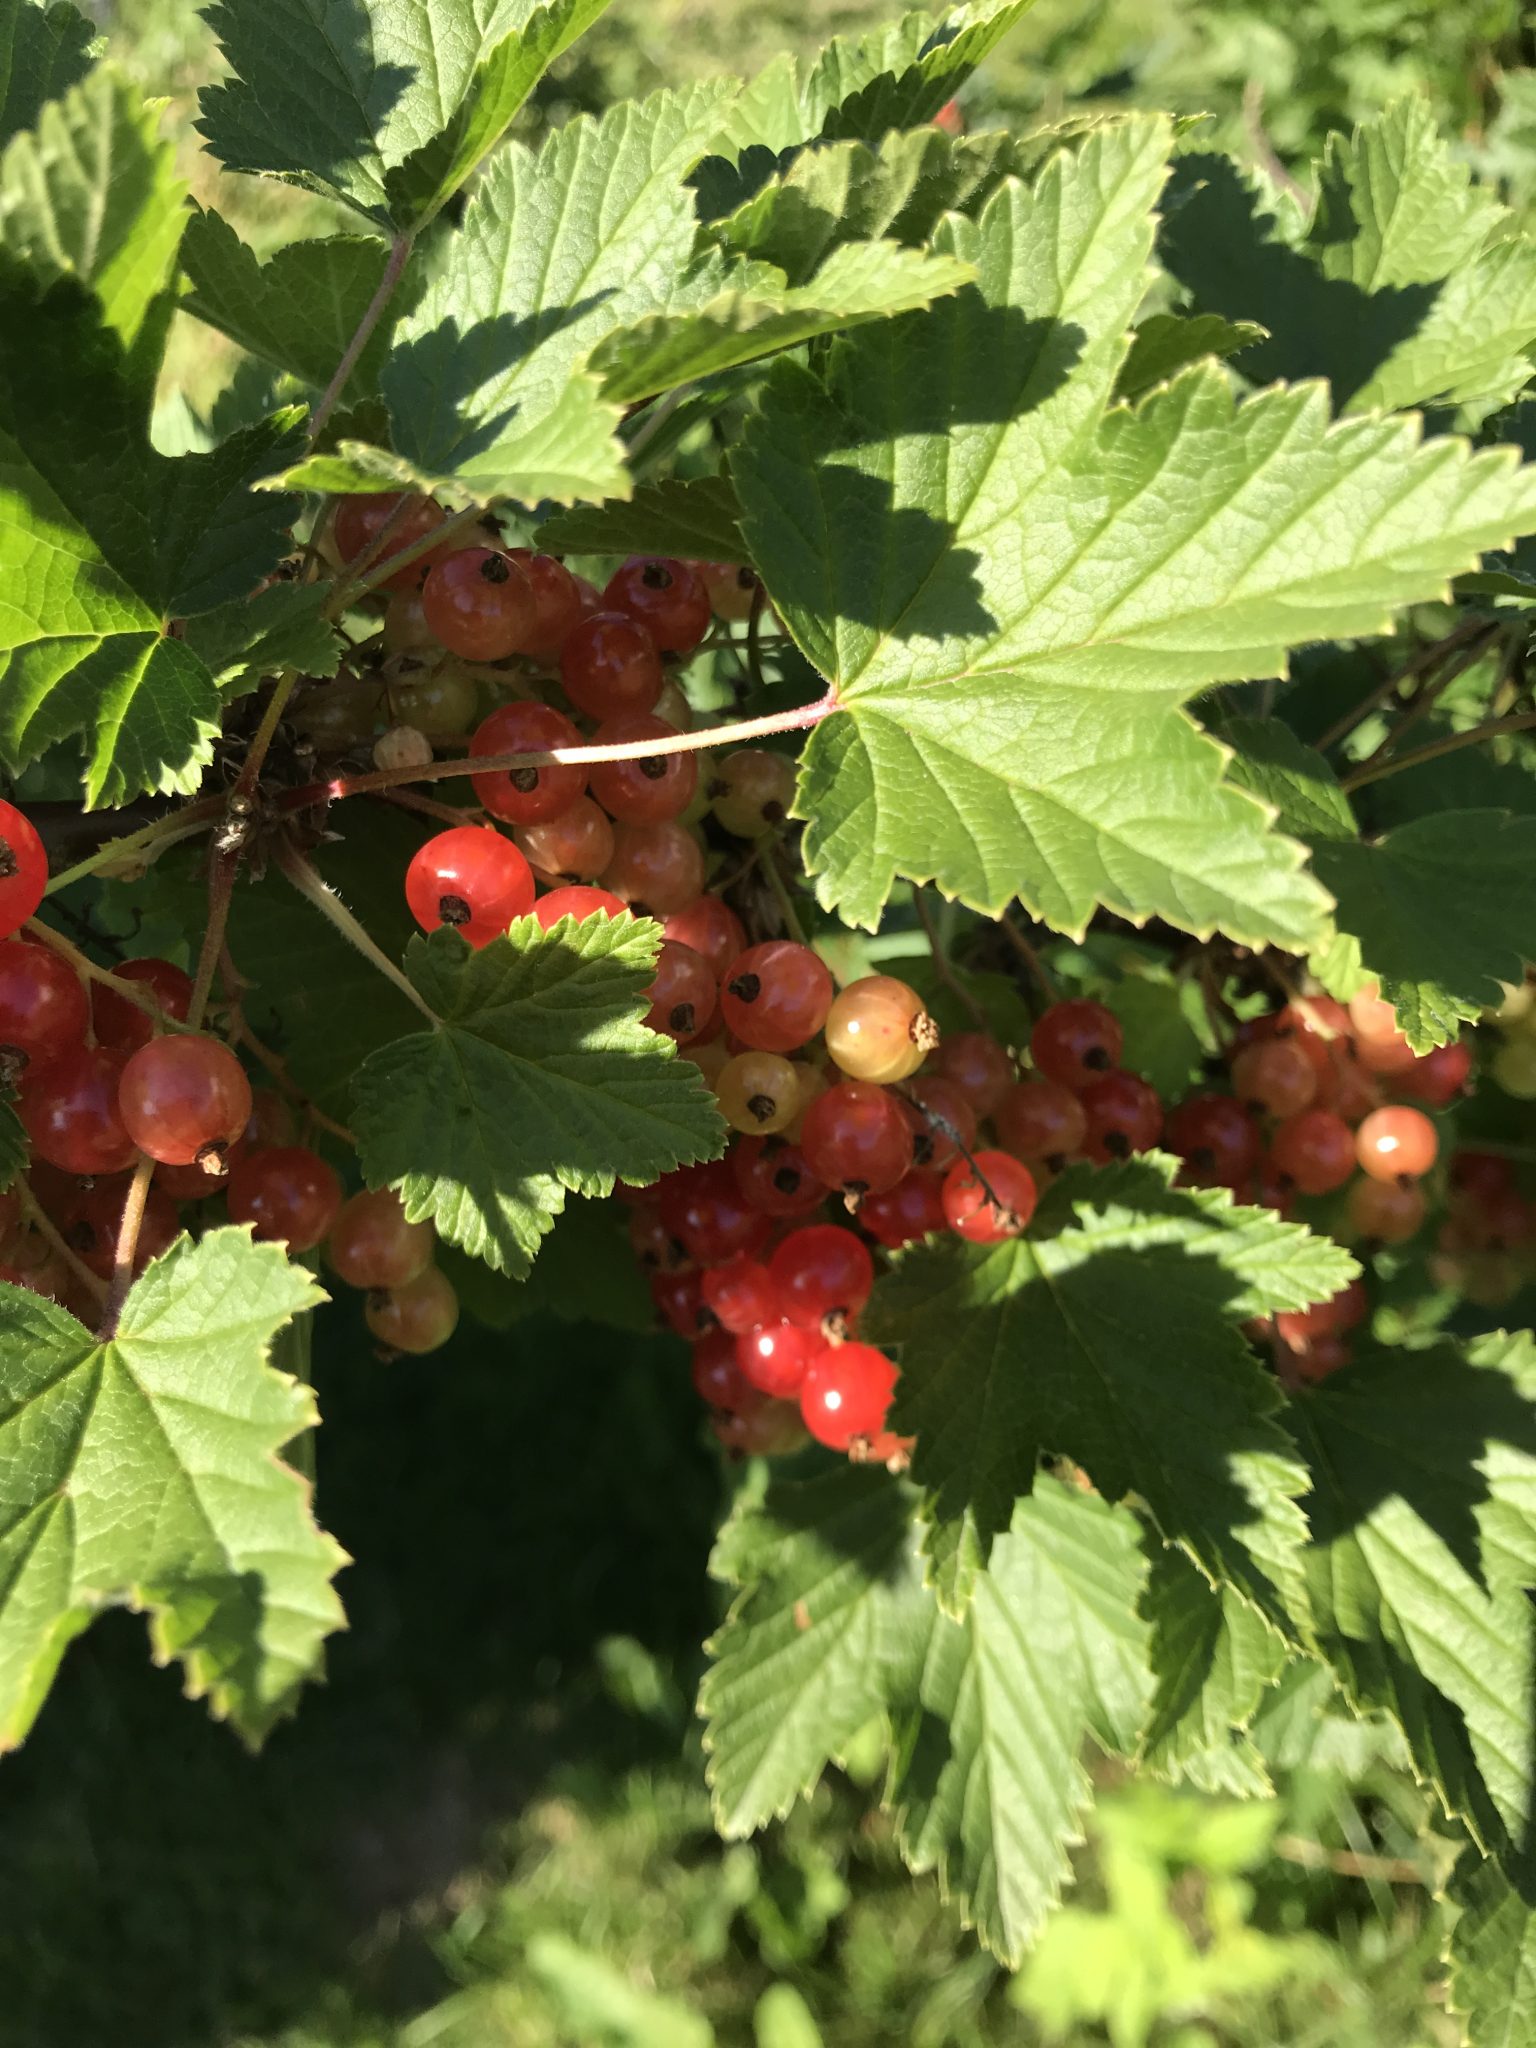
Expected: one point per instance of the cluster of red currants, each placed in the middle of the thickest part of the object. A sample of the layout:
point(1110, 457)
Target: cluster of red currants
point(104, 1079)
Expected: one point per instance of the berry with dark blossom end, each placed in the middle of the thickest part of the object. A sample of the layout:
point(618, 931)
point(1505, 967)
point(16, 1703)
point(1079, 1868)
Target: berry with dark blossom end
point(649, 788)
point(821, 1270)
point(184, 1100)
point(1125, 1115)
point(479, 605)
point(776, 996)
point(666, 596)
point(988, 1198)
point(1216, 1138)
point(471, 879)
point(417, 1317)
point(740, 1294)
point(610, 667)
point(942, 1119)
point(23, 869)
point(775, 1177)
point(527, 796)
point(1314, 1151)
point(1076, 1042)
point(856, 1139)
point(682, 996)
point(758, 1093)
point(44, 1009)
point(707, 1213)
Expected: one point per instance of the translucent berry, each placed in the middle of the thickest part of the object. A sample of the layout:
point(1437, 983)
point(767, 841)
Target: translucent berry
point(184, 1100)
point(610, 667)
point(360, 521)
point(740, 1294)
point(879, 1030)
point(846, 1394)
point(683, 993)
point(1124, 1116)
point(733, 588)
point(557, 606)
point(679, 1299)
point(371, 1245)
point(578, 901)
point(1396, 1143)
point(1386, 1211)
point(657, 870)
point(856, 1138)
point(978, 1066)
point(712, 928)
point(775, 1177)
point(44, 1009)
point(1216, 1138)
point(820, 1271)
point(942, 1119)
point(988, 1198)
point(1314, 1150)
point(757, 1093)
point(707, 1213)
point(775, 997)
point(650, 788)
point(773, 1357)
point(913, 1209)
point(71, 1115)
point(1077, 1041)
point(471, 879)
point(417, 1317)
point(717, 1378)
point(527, 796)
point(666, 597)
point(751, 790)
point(1440, 1076)
point(23, 869)
point(120, 1023)
point(479, 604)
point(1275, 1076)
point(1041, 1120)
point(287, 1194)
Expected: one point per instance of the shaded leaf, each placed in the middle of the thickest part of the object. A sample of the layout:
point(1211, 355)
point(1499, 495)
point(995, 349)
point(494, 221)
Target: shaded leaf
point(695, 518)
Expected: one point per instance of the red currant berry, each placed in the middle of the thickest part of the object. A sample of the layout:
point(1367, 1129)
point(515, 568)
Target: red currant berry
point(360, 521)
point(184, 1100)
point(856, 1138)
point(575, 847)
point(657, 870)
point(527, 796)
point(417, 1317)
point(680, 1302)
point(717, 1378)
point(820, 1271)
point(579, 902)
point(1438, 1077)
point(707, 1213)
point(652, 1243)
point(776, 996)
point(472, 879)
point(913, 1209)
point(1394, 1144)
point(1077, 1041)
point(119, 1022)
point(23, 869)
point(1314, 1150)
point(733, 588)
point(712, 928)
point(1217, 1140)
point(651, 788)
point(682, 995)
point(1341, 1312)
point(1274, 1076)
point(942, 1119)
point(774, 1356)
point(372, 1246)
point(1124, 1116)
point(92, 1228)
point(557, 606)
point(288, 1195)
point(740, 1294)
point(44, 1009)
point(1042, 1120)
point(846, 1394)
point(71, 1115)
point(666, 596)
point(610, 667)
point(977, 1065)
point(1385, 1211)
point(479, 605)
point(775, 1178)
point(989, 1198)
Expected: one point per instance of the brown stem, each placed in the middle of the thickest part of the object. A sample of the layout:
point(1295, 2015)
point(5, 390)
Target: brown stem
point(127, 1248)
point(131, 991)
point(1426, 658)
point(1431, 691)
point(1474, 736)
point(399, 256)
point(1028, 955)
point(629, 750)
point(944, 967)
point(277, 1067)
point(1348, 1862)
point(222, 870)
point(183, 824)
point(447, 814)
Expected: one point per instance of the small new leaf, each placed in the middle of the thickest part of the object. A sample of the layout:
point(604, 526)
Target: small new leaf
point(144, 1468)
point(538, 1078)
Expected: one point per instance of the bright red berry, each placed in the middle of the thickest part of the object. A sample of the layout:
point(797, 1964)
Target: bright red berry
point(774, 1356)
point(287, 1194)
point(683, 993)
point(776, 996)
point(1042, 1120)
point(707, 1213)
point(846, 1394)
point(1077, 1041)
point(988, 1198)
point(650, 788)
point(819, 1271)
point(1438, 1077)
point(666, 596)
point(610, 667)
point(855, 1138)
point(472, 879)
point(184, 1100)
point(479, 605)
point(775, 1177)
point(740, 1294)
point(1124, 1116)
point(1315, 1150)
point(913, 1209)
point(44, 1009)
point(1216, 1138)
point(71, 1113)
point(120, 1023)
point(23, 869)
point(557, 606)
point(525, 796)
point(360, 521)
point(577, 901)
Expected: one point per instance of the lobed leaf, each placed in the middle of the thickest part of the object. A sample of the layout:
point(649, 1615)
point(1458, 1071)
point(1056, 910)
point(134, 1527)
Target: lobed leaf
point(1492, 1954)
point(1213, 1658)
point(44, 49)
point(695, 518)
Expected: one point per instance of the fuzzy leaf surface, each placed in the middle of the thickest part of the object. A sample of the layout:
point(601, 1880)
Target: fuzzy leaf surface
point(1110, 1336)
point(539, 1078)
point(145, 1468)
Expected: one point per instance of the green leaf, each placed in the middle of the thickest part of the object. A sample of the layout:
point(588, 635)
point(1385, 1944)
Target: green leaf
point(989, 1783)
point(1423, 1469)
point(1166, 343)
point(1492, 1955)
point(102, 541)
point(830, 1625)
point(559, 248)
point(859, 281)
point(1160, 1041)
point(44, 50)
point(92, 193)
point(13, 1141)
point(300, 308)
point(586, 1272)
point(1213, 1658)
point(251, 638)
point(1292, 778)
point(538, 1078)
point(1443, 909)
point(144, 1469)
point(695, 518)
point(1109, 1336)
point(387, 109)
